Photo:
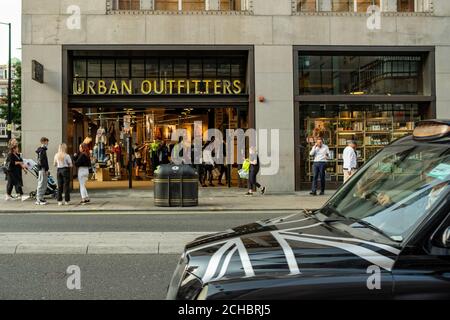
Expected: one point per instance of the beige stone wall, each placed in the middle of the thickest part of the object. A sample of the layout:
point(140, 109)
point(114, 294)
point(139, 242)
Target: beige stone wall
point(272, 29)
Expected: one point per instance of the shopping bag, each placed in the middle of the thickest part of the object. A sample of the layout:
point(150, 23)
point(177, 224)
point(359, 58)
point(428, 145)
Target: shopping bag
point(246, 165)
point(243, 174)
point(216, 173)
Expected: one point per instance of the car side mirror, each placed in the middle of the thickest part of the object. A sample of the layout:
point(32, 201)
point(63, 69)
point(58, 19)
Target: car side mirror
point(446, 238)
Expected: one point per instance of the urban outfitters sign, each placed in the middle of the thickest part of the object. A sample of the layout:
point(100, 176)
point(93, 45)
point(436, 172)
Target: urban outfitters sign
point(157, 87)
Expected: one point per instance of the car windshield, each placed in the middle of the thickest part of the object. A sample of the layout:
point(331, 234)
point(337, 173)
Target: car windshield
point(396, 190)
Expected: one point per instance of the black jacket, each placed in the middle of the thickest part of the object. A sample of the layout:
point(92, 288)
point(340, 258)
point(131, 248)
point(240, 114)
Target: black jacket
point(42, 159)
point(82, 160)
point(14, 170)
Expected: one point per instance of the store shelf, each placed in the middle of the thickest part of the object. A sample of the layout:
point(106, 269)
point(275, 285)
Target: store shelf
point(349, 132)
point(379, 132)
point(333, 130)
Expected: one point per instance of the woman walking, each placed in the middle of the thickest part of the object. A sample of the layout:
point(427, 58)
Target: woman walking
point(63, 163)
point(83, 162)
point(14, 165)
point(253, 172)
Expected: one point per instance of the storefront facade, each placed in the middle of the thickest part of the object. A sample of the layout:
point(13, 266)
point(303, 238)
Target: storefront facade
point(145, 93)
point(371, 95)
point(309, 65)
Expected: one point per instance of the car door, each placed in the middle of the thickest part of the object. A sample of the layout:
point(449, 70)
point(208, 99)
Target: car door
point(423, 271)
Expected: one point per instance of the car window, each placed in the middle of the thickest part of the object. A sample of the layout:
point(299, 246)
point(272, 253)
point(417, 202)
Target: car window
point(397, 188)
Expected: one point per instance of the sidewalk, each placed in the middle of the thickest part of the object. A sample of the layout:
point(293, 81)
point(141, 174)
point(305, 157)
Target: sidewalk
point(211, 199)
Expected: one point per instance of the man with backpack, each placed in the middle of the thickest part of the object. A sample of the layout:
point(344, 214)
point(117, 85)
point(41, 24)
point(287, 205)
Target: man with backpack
point(43, 166)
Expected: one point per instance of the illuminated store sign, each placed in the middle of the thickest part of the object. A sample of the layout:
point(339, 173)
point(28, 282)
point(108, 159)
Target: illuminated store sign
point(157, 87)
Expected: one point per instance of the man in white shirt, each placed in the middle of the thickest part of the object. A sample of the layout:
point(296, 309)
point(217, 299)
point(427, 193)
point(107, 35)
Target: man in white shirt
point(350, 160)
point(321, 154)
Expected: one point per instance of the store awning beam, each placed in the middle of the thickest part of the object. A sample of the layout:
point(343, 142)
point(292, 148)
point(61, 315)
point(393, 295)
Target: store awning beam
point(158, 101)
point(363, 99)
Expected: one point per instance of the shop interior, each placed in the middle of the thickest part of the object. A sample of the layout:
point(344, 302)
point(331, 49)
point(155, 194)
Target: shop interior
point(372, 127)
point(106, 130)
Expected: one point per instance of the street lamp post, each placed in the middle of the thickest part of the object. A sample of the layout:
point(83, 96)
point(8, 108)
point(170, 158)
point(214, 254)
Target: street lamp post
point(9, 120)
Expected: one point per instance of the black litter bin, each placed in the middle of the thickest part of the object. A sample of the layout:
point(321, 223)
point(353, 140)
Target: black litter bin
point(176, 186)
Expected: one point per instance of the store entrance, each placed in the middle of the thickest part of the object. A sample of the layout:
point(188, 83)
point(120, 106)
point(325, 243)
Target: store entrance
point(127, 144)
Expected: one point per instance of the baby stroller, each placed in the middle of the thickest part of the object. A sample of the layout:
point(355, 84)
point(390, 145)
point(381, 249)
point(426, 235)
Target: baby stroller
point(52, 186)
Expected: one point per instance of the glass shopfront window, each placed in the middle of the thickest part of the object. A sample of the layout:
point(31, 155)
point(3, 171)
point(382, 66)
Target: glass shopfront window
point(363, 5)
point(3, 132)
point(368, 95)
point(360, 75)
point(182, 5)
point(371, 126)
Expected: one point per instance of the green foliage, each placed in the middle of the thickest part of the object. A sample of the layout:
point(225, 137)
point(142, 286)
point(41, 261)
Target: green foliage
point(16, 97)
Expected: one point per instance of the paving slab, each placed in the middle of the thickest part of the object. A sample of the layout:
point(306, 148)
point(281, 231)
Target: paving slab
point(81, 243)
point(138, 201)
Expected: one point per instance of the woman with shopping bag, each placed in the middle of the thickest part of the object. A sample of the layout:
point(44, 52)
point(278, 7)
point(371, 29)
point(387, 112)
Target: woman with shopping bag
point(253, 172)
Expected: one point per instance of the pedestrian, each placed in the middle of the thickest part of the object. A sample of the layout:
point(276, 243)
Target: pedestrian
point(14, 166)
point(208, 162)
point(163, 153)
point(350, 160)
point(63, 163)
point(12, 142)
point(321, 154)
point(253, 184)
point(223, 166)
point(137, 160)
point(43, 167)
point(83, 163)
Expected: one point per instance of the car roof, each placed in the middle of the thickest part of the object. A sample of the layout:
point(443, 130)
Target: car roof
point(445, 140)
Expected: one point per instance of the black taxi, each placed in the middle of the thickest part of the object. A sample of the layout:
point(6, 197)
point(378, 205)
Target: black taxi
point(385, 234)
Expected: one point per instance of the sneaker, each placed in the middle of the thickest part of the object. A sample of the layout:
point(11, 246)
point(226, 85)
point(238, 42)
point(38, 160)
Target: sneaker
point(313, 193)
point(41, 202)
point(60, 203)
point(67, 203)
point(249, 194)
point(263, 190)
point(25, 198)
point(8, 198)
point(83, 202)
point(87, 200)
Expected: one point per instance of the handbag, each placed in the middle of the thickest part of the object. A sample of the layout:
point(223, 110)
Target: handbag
point(6, 167)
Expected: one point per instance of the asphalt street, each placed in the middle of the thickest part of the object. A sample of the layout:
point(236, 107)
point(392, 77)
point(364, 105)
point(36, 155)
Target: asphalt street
point(103, 277)
point(40, 271)
point(120, 255)
point(204, 222)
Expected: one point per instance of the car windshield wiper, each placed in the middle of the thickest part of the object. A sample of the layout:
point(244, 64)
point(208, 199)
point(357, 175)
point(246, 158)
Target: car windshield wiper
point(371, 226)
point(335, 212)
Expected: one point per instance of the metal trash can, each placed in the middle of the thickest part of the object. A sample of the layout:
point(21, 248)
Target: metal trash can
point(176, 186)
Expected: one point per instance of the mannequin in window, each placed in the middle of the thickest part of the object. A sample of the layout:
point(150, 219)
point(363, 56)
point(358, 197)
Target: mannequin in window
point(100, 142)
point(117, 153)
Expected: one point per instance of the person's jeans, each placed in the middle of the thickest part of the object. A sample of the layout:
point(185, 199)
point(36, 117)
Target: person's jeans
point(42, 185)
point(83, 176)
point(63, 177)
point(252, 183)
point(319, 173)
